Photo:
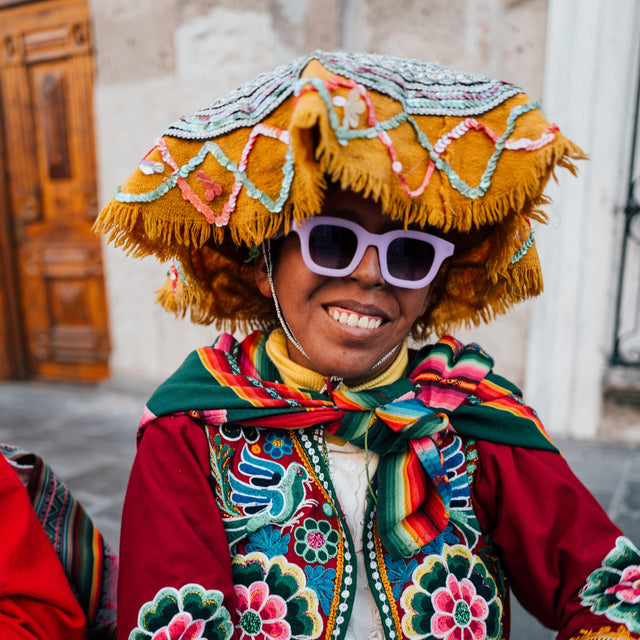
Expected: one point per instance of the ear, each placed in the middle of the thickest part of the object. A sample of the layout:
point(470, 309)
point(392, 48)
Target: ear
point(260, 274)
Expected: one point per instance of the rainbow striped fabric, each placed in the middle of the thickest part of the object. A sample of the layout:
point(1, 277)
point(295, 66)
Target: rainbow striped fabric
point(448, 386)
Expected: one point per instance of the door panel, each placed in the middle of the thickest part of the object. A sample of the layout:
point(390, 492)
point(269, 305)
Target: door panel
point(46, 90)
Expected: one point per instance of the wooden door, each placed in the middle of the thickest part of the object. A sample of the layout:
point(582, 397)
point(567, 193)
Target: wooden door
point(46, 85)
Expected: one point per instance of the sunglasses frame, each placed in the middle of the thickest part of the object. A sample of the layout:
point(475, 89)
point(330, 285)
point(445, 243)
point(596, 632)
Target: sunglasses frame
point(442, 248)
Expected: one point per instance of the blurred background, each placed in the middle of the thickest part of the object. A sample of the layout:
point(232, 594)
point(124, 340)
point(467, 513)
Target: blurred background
point(86, 86)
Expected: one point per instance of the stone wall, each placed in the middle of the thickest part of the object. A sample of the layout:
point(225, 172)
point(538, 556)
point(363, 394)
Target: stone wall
point(159, 59)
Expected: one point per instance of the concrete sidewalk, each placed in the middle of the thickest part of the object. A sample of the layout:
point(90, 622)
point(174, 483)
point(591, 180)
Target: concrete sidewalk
point(87, 434)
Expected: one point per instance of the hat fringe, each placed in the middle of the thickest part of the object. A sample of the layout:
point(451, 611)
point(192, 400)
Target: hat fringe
point(140, 232)
point(527, 193)
point(516, 286)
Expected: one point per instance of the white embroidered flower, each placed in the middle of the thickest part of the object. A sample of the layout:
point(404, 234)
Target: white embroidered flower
point(353, 107)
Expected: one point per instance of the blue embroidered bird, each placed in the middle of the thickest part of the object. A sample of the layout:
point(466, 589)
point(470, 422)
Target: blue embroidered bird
point(271, 495)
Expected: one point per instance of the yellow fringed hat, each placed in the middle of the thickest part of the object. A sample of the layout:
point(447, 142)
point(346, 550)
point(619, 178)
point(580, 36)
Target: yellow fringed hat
point(461, 153)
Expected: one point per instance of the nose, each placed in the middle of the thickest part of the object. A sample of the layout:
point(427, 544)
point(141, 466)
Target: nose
point(368, 273)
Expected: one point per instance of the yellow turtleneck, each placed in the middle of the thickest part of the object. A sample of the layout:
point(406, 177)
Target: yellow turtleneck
point(295, 375)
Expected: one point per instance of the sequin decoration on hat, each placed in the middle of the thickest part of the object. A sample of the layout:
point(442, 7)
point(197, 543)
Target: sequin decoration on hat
point(455, 152)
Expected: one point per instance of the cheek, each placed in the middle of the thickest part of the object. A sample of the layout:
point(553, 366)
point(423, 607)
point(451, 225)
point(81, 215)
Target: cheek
point(293, 280)
point(414, 302)
point(287, 258)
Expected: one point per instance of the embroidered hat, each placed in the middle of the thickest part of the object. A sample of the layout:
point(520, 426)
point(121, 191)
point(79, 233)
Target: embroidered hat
point(460, 153)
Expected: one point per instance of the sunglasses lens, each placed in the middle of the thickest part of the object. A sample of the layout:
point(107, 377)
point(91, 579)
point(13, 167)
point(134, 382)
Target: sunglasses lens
point(332, 247)
point(409, 258)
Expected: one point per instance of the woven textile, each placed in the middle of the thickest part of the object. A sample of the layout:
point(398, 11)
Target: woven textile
point(455, 152)
point(88, 561)
point(448, 385)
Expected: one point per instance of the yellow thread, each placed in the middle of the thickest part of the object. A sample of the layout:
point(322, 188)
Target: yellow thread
point(604, 633)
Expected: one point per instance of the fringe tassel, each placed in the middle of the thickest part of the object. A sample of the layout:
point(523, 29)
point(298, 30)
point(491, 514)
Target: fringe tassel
point(336, 163)
point(139, 233)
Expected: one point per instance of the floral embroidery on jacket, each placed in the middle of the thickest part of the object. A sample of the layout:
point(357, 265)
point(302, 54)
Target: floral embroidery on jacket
point(614, 588)
point(316, 541)
point(274, 600)
point(453, 597)
point(270, 540)
point(278, 444)
point(322, 581)
point(192, 612)
point(461, 515)
point(235, 432)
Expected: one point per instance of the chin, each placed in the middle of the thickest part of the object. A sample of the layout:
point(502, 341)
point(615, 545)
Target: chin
point(356, 374)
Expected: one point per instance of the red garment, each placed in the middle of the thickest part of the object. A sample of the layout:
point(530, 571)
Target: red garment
point(172, 532)
point(36, 600)
point(550, 539)
point(548, 530)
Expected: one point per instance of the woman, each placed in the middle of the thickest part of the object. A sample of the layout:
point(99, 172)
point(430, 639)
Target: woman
point(319, 479)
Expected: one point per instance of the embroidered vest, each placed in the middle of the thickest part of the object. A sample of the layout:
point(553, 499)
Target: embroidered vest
point(294, 559)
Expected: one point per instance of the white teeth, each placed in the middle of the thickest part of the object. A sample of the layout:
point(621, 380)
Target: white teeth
point(354, 320)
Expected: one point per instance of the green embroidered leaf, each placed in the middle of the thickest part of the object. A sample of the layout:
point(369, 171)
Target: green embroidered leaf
point(157, 614)
point(201, 604)
point(220, 628)
point(612, 590)
point(623, 555)
point(221, 456)
point(434, 578)
point(459, 563)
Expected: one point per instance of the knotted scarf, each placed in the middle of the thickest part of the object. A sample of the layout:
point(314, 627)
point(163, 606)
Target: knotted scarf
point(447, 386)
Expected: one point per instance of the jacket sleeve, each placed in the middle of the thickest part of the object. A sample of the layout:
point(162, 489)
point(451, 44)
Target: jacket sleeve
point(173, 547)
point(36, 601)
point(555, 541)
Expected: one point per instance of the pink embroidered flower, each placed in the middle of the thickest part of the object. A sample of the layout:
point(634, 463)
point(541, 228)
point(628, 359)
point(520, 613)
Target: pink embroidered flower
point(262, 615)
point(459, 611)
point(190, 613)
point(628, 589)
point(211, 187)
point(181, 627)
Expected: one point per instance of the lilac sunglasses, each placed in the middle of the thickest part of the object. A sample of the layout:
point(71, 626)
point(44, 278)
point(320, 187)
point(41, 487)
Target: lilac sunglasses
point(335, 247)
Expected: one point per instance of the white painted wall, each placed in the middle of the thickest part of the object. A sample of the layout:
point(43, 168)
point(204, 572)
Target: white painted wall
point(590, 79)
point(195, 62)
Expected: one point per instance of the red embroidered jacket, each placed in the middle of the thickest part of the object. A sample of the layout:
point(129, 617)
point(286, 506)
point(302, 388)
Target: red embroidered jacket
point(236, 532)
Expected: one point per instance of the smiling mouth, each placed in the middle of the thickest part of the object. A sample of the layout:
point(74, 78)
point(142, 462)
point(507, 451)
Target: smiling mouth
point(352, 319)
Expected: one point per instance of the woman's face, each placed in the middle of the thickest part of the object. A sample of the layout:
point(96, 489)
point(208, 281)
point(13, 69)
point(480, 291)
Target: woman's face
point(347, 324)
